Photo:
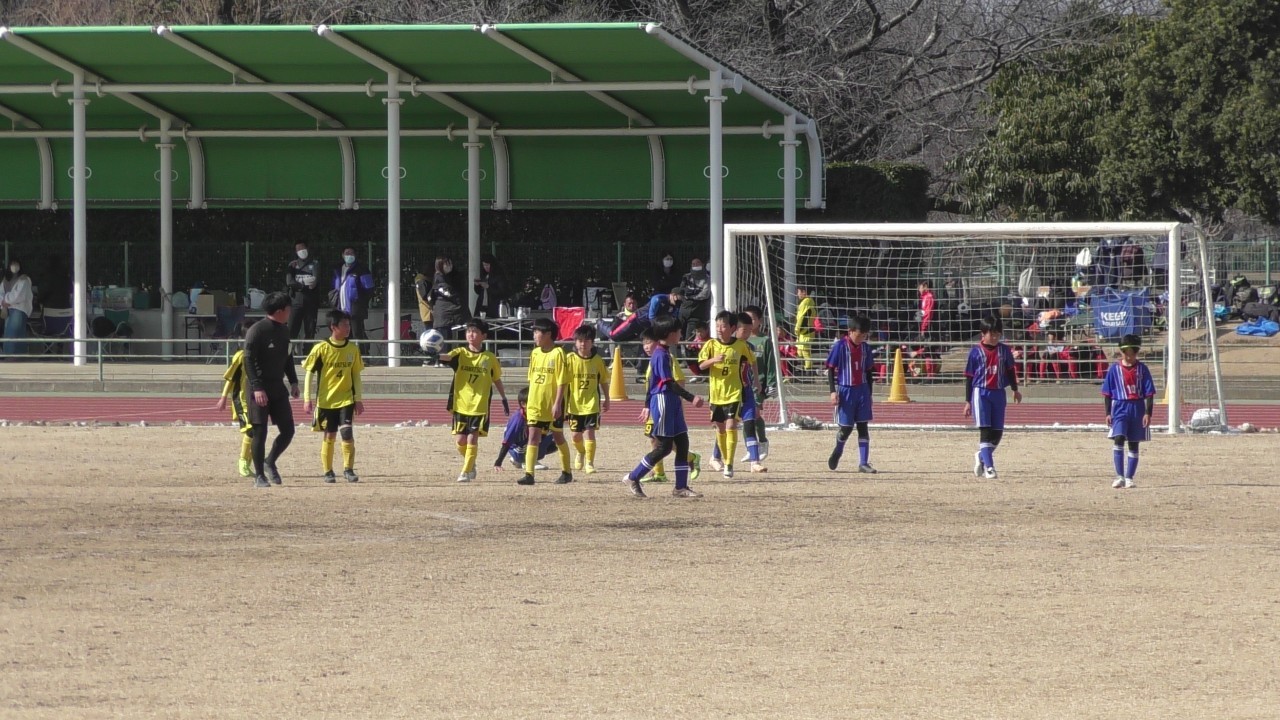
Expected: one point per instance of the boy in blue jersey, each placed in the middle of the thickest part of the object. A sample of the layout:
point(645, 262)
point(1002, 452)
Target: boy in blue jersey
point(666, 413)
point(849, 371)
point(1129, 394)
point(516, 437)
point(989, 371)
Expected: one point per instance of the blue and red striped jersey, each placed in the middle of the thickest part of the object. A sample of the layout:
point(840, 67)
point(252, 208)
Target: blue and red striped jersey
point(1128, 383)
point(851, 362)
point(991, 368)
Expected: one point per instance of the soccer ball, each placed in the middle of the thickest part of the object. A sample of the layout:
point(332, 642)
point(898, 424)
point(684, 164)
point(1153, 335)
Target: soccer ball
point(431, 341)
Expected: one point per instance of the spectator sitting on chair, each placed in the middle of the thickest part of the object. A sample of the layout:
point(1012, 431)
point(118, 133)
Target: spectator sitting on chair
point(628, 324)
point(16, 302)
point(352, 290)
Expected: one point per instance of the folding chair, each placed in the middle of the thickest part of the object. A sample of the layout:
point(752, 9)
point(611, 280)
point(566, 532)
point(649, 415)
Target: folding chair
point(229, 323)
point(54, 329)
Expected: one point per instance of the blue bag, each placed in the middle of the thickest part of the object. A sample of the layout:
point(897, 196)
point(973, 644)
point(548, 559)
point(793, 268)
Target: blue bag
point(1116, 313)
point(1260, 327)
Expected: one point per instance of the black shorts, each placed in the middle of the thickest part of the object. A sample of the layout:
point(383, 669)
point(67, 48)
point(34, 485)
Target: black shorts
point(470, 424)
point(583, 423)
point(556, 425)
point(240, 413)
point(329, 420)
point(728, 411)
point(279, 410)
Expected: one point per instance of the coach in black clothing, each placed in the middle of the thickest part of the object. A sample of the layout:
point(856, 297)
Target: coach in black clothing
point(268, 361)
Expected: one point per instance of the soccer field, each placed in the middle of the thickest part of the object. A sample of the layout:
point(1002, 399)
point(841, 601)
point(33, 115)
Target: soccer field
point(141, 578)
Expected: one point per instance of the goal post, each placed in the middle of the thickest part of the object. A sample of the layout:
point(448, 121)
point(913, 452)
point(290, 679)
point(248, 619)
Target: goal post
point(1062, 288)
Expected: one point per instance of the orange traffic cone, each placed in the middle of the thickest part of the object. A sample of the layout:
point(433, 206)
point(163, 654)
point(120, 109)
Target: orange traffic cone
point(617, 382)
point(898, 385)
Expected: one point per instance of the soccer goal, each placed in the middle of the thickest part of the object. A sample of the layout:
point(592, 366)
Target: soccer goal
point(1066, 293)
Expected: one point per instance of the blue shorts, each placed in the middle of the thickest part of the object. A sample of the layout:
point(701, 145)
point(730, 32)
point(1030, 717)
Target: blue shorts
point(747, 411)
point(1126, 420)
point(988, 408)
point(854, 404)
point(667, 415)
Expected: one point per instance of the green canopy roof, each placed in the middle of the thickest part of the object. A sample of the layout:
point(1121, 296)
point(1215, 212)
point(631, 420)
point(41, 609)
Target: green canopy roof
point(567, 115)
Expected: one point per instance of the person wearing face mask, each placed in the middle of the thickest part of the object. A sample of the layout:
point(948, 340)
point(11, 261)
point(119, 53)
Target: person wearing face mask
point(352, 290)
point(490, 288)
point(666, 277)
point(449, 302)
point(302, 277)
point(16, 302)
point(697, 297)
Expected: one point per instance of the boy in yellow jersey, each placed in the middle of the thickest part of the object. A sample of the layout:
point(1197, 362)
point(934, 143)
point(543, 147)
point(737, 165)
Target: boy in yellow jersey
point(548, 376)
point(476, 372)
point(337, 363)
point(659, 475)
point(722, 358)
point(804, 326)
point(588, 396)
point(236, 389)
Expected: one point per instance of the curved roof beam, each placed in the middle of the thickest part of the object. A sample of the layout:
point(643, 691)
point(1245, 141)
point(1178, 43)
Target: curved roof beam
point(240, 74)
point(46, 155)
point(56, 60)
point(391, 69)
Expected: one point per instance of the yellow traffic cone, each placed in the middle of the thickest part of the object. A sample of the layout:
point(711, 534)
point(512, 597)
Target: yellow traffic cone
point(617, 382)
point(898, 384)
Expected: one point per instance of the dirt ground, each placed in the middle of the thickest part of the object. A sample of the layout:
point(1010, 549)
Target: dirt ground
point(139, 577)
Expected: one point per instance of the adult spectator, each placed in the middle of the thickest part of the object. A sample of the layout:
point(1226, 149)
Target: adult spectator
point(302, 277)
point(490, 288)
point(666, 277)
point(352, 290)
point(422, 290)
point(668, 304)
point(449, 304)
point(268, 361)
point(16, 302)
point(627, 325)
point(697, 297)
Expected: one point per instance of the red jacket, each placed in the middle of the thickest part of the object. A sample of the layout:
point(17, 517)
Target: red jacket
point(926, 310)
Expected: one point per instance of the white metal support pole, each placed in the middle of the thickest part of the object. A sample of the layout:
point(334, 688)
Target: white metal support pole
point(392, 324)
point(165, 147)
point(473, 146)
point(716, 201)
point(79, 205)
point(1173, 354)
point(789, 144)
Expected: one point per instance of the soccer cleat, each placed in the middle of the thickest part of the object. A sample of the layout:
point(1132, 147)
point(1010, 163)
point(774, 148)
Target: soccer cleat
point(539, 466)
point(246, 468)
point(589, 469)
point(866, 468)
point(833, 462)
point(695, 466)
point(1128, 483)
point(758, 468)
point(634, 486)
point(577, 463)
point(977, 464)
point(350, 475)
point(685, 492)
point(1119, 482)
point(728, 472)
point(716, 464)
point(464, 477)
point(526, 480)
point(565, 478)
point(764, 449)
point(261, 482)
point(269, 469)
point(990, 474)
point(655, 479)
point(329, 477)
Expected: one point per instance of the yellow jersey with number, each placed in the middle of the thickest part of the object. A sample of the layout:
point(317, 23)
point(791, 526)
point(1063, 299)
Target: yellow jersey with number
point(548, 370)
point(586, 376)
point(237, 386)
point(474, 374)
point(339, 368)
point(726, 375)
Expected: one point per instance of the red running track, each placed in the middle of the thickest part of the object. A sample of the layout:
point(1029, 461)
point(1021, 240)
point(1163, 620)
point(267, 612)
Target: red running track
point(389, 411)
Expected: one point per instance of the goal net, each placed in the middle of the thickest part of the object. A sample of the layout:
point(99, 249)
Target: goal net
point(1065, 292)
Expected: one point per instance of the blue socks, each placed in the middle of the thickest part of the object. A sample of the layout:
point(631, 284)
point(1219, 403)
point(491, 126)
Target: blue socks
point(1133, 464)
point(987, 452)
point(864, 450)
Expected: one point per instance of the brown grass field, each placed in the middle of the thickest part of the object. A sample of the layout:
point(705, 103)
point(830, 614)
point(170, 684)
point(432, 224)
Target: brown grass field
point(140, 577)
